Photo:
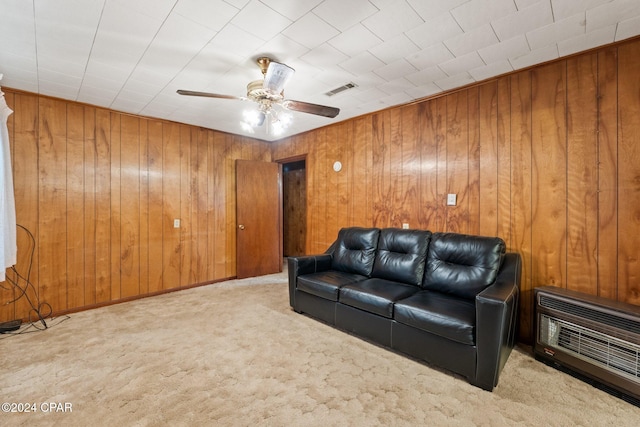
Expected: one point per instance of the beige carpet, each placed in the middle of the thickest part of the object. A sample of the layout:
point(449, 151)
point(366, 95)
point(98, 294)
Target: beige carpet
point(235, 354)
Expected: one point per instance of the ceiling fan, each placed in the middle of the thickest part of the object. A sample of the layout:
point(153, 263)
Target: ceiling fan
point(269, 92)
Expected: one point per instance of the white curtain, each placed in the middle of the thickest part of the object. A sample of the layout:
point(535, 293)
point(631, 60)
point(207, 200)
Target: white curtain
point(8, 248)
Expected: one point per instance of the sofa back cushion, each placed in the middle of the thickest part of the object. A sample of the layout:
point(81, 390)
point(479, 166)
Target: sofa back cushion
point(355, 249)
point(462, 265)
point(401, 255)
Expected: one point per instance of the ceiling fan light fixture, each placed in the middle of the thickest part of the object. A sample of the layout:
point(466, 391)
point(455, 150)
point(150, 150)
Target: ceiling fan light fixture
point(253, 118)
point(247, 128)
point(279, 122)
point(268, 93)
point(277, 77)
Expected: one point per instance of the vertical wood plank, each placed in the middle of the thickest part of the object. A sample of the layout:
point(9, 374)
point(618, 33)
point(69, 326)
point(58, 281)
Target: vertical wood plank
point(312, 186)
point(428, 198)
point(361, 173)
point(171, 251)
point(440, 219)
point(382, 170)
point(334, 198)
point(473, 193)
point(144, 206)
point(210, 201)
point(75, 188)
point(186, 197)
point(549, 175)
point(488, 225)
point(116, 206)
point(346, 198)
point(521, 193)
point(582, 174)
point(457, 162)
point(410, 163)
point(129, 257)
point(155, 147)
point(24, 140)
point(200, 207)
point(504, 161)
point(214, 269)
point(232, 153)
point(394, 144)
point(52, 203)
point(103, 205)
point(322, 212)
point(219, 195)
point(294, 214)
point(89, 204)
point(608, 173)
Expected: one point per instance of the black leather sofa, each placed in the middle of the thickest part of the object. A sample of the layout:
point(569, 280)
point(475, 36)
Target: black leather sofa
point(448, 299)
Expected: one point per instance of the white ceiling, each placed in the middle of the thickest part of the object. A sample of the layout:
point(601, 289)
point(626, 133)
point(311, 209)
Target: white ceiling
point(132, 55)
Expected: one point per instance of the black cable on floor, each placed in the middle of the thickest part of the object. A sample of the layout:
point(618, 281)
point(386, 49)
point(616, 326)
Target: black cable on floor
point(39, 310)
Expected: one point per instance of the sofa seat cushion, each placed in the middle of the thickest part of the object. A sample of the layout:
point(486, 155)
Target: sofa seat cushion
point(325, 284)
point(375, 295)
point(440, 314)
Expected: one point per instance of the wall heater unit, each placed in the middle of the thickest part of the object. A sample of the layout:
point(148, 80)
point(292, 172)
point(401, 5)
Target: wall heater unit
point(595, 338)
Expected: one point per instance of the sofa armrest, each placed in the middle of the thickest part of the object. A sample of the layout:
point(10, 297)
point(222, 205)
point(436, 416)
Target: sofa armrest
point(300, 265)
point(496, 322)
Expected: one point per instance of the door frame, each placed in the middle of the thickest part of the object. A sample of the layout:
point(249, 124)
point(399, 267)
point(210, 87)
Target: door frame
point(282, 162)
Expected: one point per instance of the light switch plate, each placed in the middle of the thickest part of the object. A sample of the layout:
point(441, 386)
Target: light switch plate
point(451, 199)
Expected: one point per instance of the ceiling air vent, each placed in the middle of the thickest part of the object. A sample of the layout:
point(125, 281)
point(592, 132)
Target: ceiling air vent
point(341, 89)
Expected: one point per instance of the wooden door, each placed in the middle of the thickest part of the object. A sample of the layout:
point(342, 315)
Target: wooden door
point(258, 218)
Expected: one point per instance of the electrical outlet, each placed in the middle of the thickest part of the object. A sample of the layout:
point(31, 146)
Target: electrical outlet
point(176, 223)
point(451, 199)
point(405, 225)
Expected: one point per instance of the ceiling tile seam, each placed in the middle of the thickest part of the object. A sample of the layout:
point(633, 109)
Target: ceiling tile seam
point(447, 47)
point(143, 54)
point(228, 23)
point(269, 7)
point(615, 34)
point(414, 11)
point(329, 23)
point(553, 12)
point(456, 21)
point(86, 64)
point(497, 38)
point(281, 32)
point(377, 57)
point(221, 28)
point(340, 31)
point(449, 50)
point(338, 35)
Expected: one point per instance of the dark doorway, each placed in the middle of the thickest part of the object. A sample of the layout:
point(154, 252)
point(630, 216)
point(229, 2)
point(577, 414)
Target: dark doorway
point(294, 209)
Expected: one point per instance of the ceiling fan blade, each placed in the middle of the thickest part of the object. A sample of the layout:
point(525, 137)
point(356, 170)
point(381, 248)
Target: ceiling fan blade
point(277, 77)
point(306, 107)
point(206, 94)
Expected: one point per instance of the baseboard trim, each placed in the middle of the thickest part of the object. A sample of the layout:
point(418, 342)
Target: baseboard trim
point(133, 298)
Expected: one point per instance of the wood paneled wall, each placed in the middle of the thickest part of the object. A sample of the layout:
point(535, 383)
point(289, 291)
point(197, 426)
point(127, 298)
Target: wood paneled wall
point(546, 158)
point(294, 218)
point(100, 190)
